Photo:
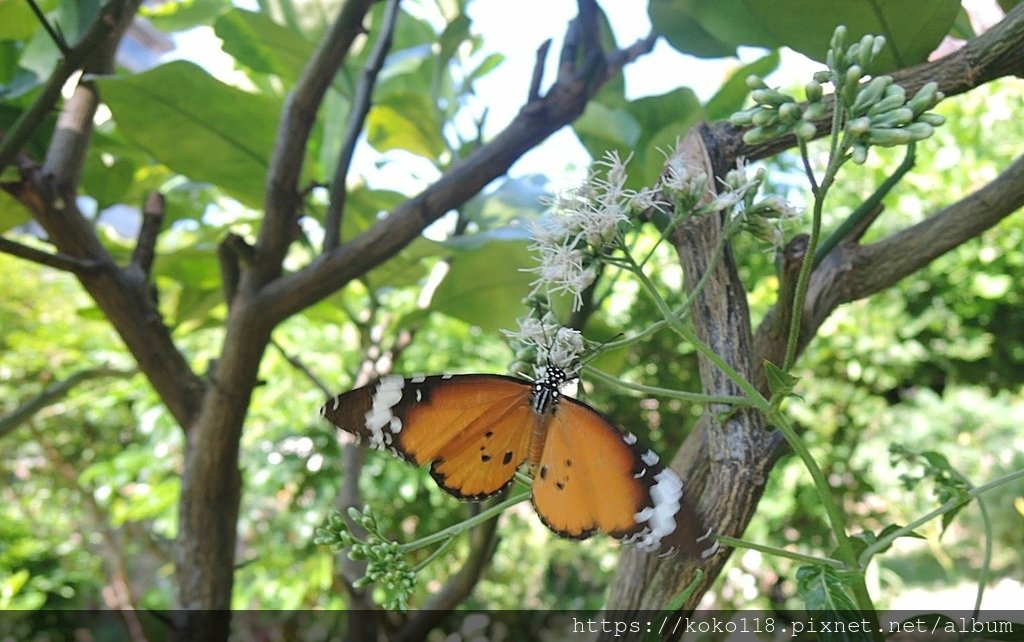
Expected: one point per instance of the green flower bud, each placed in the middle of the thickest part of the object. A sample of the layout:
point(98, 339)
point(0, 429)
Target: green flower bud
point(765, 117)
point(885, 137)
point(859, 126)
point(813, 91)
point(755, 82)
point(860, 153)
point(865, 51)
point(919, 131)
point(925, 98)
point(805, 130)
point(933, 119)
point(889, 103)
point(790, 113)
point(743, 118)
point(870, 93)
point(839, 38)
point(770, 97)
point(815, 111)
point(893, 118)
point(821, 77)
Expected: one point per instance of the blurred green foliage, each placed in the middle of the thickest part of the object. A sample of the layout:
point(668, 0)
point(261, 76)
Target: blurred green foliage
point(90, 483)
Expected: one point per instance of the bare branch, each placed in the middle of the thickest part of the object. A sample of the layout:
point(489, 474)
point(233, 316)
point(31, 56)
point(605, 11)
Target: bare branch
point(536, 121)
point(54, 393)
point(152, 218)
point(55, 35)
point(282, 199)
point(59, 261)
point(357, 117)
point(538, 71)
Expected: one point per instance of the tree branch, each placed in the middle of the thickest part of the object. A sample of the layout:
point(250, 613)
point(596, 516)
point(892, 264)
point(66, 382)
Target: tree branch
point(282, 196)
point(110, 19)
point(357, 117)
point(54, 393)
point(58, 260)
point(536, 121)
point(145, 247)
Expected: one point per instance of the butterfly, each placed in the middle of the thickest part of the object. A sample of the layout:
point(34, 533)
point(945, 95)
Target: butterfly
point(476, 430)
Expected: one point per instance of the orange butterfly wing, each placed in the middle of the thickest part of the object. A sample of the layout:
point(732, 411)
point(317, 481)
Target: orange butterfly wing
point(473, 429)
point(592, 478)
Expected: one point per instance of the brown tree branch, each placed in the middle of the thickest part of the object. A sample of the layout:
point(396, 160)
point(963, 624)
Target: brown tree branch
point(145, 246)
point(58, 260)
point(55, 392)
point(357, 118)
point(535, 122)
point(282, 196)
point(50, 193)
point(111, 19)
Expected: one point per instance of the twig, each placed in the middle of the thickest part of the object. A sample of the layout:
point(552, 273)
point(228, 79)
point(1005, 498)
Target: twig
point(293, 135)
point(55, 392)
point(145, 247)
point(301, 367)
point(59, 261)
point(538, 71)
point(55, 35)
point(357, 118)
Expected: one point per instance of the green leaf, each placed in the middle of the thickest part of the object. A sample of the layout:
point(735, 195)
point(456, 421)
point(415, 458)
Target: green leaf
point(17, 22)
point(912, 28)
point(822, 589)
point(674, 21)
point(780, 382)
point(12, 212)
point(197, 125)
point(513, 200)
point(262, 45)
point(178, 15)
point(487, 282)
point(406, 121)
point(407, 267)
point(601, 129)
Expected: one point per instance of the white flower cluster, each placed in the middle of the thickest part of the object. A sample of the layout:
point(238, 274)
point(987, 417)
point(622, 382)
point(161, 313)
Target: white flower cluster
point(588, 221)
point(545, 342)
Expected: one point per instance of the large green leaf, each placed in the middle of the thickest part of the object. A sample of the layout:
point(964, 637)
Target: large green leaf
point(264, 46)
point(602, 128)
point(12, 212)
point(733, 93)
point(406, 121)
point(487, 282)
point(912, 28)
point(17, 22)
point(178, 15)
point(197, 125)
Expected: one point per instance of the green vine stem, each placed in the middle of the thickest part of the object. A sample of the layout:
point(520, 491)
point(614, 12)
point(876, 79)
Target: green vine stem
point(695, 397)
point(781, 552)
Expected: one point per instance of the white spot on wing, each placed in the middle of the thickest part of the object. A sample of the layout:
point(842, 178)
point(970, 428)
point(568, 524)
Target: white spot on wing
point(395, 425)
point(659, 519)
point(385, 397)
point(446, 376)
point(630, 438)
point(418, 379)
point(649, 458)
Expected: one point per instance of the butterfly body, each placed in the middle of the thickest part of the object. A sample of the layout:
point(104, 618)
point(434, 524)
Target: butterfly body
point(477, 430)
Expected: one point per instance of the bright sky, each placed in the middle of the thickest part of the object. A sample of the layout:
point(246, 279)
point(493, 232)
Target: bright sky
point(517, 29)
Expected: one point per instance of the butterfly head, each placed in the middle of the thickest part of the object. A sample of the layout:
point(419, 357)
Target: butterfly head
point(547, 390)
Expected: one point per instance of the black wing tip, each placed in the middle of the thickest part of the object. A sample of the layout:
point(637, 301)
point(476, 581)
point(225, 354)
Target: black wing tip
point(582, 535)
point(454, 492)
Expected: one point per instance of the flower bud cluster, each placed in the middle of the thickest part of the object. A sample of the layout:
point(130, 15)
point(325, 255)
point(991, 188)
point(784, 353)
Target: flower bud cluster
point(386, 565)
point(876, 110)
point(762, 217)
point(541, 341)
